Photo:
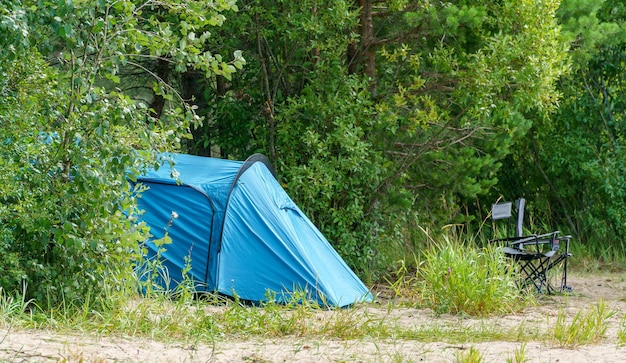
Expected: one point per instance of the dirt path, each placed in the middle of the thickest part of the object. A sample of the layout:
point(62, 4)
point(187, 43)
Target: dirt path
point(41, 346)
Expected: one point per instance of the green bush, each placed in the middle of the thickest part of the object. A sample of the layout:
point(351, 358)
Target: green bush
point(62, 190)
point(70, 135)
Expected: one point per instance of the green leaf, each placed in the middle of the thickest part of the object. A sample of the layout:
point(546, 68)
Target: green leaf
point(98, 26)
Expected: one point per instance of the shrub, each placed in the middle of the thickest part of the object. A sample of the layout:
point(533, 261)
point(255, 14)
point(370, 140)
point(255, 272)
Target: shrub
point(70, 131)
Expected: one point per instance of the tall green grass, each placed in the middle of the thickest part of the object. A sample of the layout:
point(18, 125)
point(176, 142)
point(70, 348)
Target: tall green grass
point(595, 259)
point(460, 278)
point(12, 307)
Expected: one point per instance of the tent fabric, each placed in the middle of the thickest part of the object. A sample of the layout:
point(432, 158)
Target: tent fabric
point(241, 233)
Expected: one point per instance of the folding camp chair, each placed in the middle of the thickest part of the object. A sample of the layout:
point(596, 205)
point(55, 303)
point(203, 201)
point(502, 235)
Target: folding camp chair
point(542, 258)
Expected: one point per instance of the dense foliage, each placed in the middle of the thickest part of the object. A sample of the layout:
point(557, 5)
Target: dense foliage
point(384, 116)
point(384, 119)
point(571, 165)
point(70, 136)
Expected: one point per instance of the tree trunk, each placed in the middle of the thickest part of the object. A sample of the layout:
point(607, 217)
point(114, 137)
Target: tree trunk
point(268, 107)
point(367, 37)
point(193, 86)
point(362, 53)
point(158, 103)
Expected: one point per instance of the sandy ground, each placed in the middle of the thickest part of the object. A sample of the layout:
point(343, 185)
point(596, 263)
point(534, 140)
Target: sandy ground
point(42, 346)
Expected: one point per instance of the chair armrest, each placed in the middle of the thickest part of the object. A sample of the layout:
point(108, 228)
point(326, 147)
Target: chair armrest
point(533, 238)
point(540, 238)
point(514, 240)
point(536, 241)
point(565, 240)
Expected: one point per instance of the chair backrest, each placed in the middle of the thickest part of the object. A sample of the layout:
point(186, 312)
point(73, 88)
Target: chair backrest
point(501, 210)
point(504, 210)
point(519, 225)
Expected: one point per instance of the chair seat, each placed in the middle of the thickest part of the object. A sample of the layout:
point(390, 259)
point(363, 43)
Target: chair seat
point(526, 255)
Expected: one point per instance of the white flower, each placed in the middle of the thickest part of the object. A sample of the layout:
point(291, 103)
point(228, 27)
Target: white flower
point(174, 215)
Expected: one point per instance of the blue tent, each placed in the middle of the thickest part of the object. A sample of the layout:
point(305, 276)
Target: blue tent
point(242, 233)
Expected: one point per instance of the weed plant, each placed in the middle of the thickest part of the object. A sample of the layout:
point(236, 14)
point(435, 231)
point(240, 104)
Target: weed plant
point(12, 307)
point(472, 355)
point(585, 328)
point(621, 335)
point(519, 356)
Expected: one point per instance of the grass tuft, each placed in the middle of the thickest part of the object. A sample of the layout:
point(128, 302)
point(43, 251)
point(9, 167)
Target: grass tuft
point(519, 356)
point(472, 355)
point(13, 307)
point(585, 328)
point(621, 334)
